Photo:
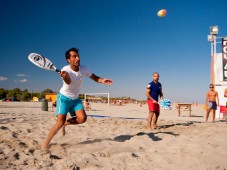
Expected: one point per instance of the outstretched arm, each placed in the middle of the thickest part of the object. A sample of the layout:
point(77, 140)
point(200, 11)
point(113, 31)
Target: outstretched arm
point(101, 80)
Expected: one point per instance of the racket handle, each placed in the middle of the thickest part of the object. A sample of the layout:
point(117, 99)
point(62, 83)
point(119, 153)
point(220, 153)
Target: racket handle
point(58, 71)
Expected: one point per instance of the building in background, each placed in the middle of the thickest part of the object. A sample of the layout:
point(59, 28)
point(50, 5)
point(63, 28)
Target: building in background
point(51, 96)
point(219, 69)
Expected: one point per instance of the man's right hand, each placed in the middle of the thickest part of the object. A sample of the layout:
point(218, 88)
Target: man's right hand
point(65, 76)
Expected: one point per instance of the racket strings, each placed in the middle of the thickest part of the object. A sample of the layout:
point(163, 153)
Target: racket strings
point(165, 103)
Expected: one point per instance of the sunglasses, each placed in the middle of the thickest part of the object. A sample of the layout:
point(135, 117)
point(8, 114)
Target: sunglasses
point(211, 87)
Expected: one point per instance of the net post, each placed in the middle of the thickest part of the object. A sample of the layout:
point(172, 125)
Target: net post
point(108, 99)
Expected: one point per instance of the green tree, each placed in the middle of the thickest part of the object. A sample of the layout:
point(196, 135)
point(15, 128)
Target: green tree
point(2, 93)
point(11, 94)
point(25, 90)
point(47, 91)
point(17, 90)
point(25, 96)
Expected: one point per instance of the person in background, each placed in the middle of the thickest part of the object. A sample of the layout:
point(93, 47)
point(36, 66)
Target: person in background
point(225, 95)
point(153, 92)
point(87, 105)
point(54, 105)
point(212, 102)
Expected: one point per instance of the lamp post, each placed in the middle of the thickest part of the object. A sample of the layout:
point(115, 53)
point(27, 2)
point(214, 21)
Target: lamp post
point(212, 38)
point(32, 99)
point(31, 95)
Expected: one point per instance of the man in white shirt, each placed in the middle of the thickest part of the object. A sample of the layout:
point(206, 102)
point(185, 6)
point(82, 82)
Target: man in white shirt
point(68, 98)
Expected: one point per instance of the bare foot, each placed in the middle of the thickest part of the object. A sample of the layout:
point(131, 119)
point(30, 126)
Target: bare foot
point(154, 127)
point(63, 131)
point(148, 128)
point(44, 147)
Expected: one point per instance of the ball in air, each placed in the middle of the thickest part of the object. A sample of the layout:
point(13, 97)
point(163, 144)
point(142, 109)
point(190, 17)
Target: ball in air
point(162, 13)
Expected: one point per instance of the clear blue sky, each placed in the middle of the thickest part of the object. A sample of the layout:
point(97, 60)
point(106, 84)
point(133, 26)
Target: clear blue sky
point(120, 39)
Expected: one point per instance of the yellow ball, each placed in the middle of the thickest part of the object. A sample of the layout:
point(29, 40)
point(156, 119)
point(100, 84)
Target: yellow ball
point(204, 107)
point(162, 13)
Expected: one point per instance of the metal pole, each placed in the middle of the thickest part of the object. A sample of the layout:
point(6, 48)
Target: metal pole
point(108, 98)
point(214, 57)
point(211, 64)
point(32, 99)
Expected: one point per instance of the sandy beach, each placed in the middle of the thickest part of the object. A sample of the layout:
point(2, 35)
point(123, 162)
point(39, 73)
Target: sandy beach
point(113, 138)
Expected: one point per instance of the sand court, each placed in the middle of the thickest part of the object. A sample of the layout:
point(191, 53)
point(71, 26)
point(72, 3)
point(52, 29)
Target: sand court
point(114, 137)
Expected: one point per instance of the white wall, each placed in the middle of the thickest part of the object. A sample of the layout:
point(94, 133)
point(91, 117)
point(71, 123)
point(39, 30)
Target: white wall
point(220, 85)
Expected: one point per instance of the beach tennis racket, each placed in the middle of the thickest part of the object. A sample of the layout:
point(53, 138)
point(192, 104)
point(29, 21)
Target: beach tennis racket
point(165, 103)
point(42, 62)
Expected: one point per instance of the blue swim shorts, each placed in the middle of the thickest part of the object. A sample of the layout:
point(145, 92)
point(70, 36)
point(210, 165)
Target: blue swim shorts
point(213, 105)
point(65, 105)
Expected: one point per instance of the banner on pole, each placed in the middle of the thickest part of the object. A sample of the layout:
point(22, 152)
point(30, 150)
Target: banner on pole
point(218, 69)
point(224, 58)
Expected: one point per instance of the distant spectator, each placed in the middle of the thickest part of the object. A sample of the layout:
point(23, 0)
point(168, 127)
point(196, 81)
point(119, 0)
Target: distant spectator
point(211, 102)
point(87, 105)
point(54, 104)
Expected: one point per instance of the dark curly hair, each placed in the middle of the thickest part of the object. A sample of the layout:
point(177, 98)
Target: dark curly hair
point(67, 53)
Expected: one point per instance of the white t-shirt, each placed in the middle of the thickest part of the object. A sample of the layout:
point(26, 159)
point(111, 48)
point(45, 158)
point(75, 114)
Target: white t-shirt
point(72, 90)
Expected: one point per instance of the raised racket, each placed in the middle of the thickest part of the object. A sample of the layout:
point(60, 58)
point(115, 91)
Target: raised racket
point(42, 62)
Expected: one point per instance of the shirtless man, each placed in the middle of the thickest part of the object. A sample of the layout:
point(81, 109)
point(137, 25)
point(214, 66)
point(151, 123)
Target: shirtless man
point(211, 102)
point(225, 95)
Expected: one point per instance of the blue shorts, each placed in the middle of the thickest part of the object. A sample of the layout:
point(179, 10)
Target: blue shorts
point(65, 105)
point(213, 105)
